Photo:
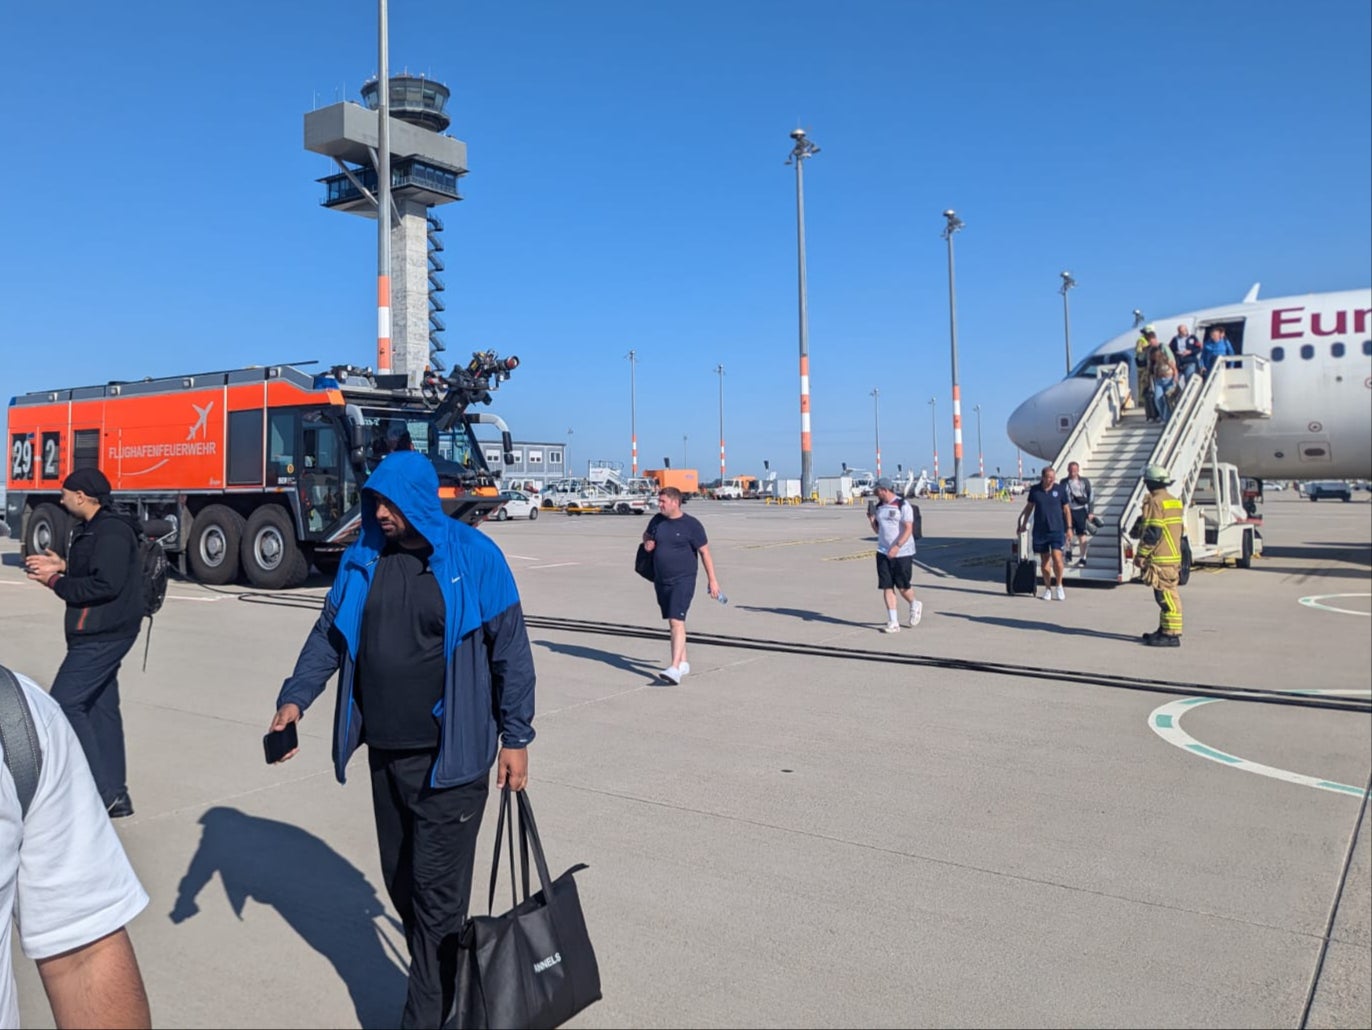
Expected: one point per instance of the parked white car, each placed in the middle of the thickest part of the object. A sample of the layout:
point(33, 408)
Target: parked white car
point(519, 506)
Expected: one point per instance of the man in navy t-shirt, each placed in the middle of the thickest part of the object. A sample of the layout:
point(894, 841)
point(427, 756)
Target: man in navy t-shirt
point(1048, 503)
point(674, 539)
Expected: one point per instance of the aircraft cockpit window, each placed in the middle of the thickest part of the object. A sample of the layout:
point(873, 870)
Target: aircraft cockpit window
point(1086, 369)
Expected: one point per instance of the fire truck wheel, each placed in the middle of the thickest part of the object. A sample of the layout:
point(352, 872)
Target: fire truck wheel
point(213, 551)
point(49, 527)
point(271, 556)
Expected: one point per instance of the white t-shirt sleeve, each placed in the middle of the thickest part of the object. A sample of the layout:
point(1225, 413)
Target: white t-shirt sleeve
point(75, 883)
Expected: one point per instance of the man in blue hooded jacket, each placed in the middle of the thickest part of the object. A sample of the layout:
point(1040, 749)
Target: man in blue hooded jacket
point(425, 623)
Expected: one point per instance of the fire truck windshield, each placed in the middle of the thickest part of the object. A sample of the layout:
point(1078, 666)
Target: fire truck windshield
point(389, 431)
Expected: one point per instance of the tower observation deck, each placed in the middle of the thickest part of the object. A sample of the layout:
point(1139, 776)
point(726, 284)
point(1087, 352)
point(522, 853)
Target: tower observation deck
point(426, 167)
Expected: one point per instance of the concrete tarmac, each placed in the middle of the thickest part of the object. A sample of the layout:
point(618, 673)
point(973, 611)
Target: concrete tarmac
point(801, 840)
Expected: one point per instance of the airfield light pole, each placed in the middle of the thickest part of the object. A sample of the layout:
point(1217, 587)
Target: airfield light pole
point(1067, 283)
point(981, 468)
point(933, 418)
point(719, 370)
point(1138, 318)
point(633, 414)
point(383, 196)
point(954, 223)
point(683, 450)
point(802, 150)
point(876, 411)
point(567, 455)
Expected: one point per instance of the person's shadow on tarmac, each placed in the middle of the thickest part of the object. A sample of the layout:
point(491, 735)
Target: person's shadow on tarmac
point(320, 894)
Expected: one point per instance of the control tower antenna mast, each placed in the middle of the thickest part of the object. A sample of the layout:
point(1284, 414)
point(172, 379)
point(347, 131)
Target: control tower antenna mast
point(383, 199)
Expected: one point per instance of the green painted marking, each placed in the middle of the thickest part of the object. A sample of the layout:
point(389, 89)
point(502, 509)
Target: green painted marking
point(1342, 787)
point(1164, 722)
point(1198, 700)
point(1210, 752)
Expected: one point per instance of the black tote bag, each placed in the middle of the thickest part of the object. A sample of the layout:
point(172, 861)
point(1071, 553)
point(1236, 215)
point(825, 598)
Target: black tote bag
point(643, 563)
point(533, 966)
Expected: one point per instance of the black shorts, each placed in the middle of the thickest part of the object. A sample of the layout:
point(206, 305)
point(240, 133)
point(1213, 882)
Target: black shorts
point(1079, 520)
point(893, 572)
point(674, 596)
point(1049, 541)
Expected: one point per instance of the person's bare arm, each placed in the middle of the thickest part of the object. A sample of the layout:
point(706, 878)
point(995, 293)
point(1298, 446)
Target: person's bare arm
point(709, 570)
point(97, 985)
point(1024, 516)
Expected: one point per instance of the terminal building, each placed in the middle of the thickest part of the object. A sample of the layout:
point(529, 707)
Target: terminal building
point(536, 463)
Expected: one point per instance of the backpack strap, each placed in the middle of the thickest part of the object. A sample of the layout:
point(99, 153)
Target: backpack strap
point(19, 738)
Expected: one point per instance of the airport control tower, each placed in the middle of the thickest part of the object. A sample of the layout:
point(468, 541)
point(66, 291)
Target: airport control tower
point(426, 166)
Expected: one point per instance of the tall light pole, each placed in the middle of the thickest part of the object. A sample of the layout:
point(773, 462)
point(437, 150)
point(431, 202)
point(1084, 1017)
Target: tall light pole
point(1067, 283)
point(981, 468)
point(683, 450)
point(953, 224)
point(933, 419)
point(567, 454)
point(719, 370)
point(383, 196)
point(633, 414)
point(800, 152)
point(876, 411)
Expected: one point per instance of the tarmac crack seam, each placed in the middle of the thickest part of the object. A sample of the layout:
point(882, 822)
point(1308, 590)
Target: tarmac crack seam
point(934, 861)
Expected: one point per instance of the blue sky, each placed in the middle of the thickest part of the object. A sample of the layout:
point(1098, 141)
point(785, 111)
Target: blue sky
point(627, 190)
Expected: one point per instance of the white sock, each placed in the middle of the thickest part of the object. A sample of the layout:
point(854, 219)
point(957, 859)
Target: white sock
point(891, 615)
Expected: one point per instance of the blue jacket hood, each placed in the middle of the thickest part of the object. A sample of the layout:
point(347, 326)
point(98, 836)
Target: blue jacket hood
point(476, 581)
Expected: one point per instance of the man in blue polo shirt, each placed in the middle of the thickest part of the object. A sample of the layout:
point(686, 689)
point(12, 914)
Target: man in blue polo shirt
point(1048, 503)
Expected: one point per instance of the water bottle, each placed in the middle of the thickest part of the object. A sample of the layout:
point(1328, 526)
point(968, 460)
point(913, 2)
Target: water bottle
point(721, 598)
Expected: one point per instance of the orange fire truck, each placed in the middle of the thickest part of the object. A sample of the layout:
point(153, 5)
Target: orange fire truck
point(259, 469)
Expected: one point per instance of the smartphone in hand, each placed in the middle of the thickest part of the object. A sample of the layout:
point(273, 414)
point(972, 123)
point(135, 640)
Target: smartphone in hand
point(279, 743)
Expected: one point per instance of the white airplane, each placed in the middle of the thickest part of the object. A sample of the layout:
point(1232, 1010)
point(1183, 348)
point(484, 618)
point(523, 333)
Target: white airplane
point(1320, 347)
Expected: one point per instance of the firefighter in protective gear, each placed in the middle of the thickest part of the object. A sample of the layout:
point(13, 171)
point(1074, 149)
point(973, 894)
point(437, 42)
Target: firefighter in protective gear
point(1159, 554)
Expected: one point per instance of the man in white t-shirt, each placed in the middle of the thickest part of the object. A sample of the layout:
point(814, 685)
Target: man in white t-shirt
point(69, 886)
point(894, 522)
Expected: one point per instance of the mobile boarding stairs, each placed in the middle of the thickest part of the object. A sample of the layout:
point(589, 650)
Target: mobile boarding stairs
point(1113, 442)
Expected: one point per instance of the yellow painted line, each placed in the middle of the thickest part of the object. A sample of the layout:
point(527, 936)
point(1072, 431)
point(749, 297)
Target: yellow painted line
point(852, 557)
point(795, 543)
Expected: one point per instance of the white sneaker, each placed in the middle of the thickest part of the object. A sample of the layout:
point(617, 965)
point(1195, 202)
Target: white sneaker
point(891, 627)
point(684, 668)
point(916, 613)
point(1047, 594)
point(1061, 594)
point(671, 674)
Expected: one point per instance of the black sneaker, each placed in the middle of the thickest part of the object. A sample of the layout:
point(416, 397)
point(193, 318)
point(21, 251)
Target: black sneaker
point(121, 807)
point(1162, 640)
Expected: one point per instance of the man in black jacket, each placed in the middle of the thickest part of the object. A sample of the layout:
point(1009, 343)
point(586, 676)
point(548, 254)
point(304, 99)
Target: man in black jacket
point(101, 583)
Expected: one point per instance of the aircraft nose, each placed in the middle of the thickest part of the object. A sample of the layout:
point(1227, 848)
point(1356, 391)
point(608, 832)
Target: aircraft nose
point(1026, 426)
point(1040, 425)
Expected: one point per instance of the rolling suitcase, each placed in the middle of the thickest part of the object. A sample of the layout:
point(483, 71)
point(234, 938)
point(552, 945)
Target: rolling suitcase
point(1020, 575)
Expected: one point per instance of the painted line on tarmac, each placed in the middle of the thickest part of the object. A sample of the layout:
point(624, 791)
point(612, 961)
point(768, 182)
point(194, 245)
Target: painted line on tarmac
point(1313, 601)
point(1165, 721)
point(793, 543)
point(555, 565)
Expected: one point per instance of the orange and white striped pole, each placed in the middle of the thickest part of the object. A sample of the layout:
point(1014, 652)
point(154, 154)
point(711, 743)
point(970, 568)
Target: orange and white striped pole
point(383, 197)
point(953, 224)
point(633, 414)
point(719, 369)
point(803, 149)
point(957, 439)
point(876, 411)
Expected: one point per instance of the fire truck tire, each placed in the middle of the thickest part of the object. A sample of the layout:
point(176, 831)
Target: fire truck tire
point(216, 535)
point(270, 554)
point(49, 527)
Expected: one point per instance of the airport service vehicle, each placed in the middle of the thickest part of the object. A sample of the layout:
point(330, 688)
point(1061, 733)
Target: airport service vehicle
point(1332, 489)
point(260, 469)
point(736, 488)
point(685, 480)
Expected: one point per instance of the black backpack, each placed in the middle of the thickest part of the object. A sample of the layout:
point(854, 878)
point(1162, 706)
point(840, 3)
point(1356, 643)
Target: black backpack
point(153, 569)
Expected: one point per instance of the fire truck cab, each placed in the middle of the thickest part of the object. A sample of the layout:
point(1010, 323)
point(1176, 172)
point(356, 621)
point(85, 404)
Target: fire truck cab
point(259, 470)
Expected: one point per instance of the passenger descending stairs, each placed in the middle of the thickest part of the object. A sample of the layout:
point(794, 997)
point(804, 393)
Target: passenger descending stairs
point(1113, 468)
point(1113, 442)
